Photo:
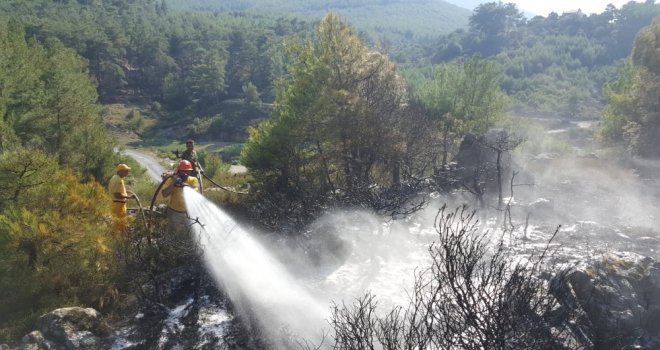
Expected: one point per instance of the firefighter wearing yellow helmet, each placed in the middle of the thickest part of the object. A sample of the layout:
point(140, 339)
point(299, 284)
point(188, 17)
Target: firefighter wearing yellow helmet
point(173, 190)
point(120, 196)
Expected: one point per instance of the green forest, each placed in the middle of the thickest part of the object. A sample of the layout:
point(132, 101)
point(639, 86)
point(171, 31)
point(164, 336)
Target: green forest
point(323, 108)
point(389, 21)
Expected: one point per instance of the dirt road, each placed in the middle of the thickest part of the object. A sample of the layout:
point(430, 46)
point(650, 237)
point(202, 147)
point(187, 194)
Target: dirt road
point(154, 169)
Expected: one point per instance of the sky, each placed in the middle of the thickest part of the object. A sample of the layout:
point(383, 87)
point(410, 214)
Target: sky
point(543, 8)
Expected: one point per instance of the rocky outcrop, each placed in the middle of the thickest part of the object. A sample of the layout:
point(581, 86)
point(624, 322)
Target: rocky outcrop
point(620, 299)
point(182, 309)
point(67, 328)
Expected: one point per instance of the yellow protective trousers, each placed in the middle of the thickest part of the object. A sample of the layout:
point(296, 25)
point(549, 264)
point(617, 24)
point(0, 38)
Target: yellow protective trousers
point(119, 213)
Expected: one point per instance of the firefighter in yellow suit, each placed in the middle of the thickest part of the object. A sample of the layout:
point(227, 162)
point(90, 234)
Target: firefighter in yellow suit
point(120, 196)
point(173, 190)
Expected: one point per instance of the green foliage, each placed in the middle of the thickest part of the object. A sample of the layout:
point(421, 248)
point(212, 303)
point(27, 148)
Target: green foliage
point(495, 19)
point(136, 121)
point(252, 98)
point(552, 65)
point(49, 103)
point(645, 52)
point(644, 130)
point(211, 162)
point(22, 89)
point(56, 244)
point(237, 182)
point(53, 257)
point(76, 130)
point(469, 91)
point(336, 118)
point(189, 63)
point(620, 104)
point(632, 114)
point(554, 75)
point(22, 172)
point(200, 126)
point(237, 115)
point(394, 20)
point(194, 63)
point(463, 97)
point(231, 153)
point(493, 24)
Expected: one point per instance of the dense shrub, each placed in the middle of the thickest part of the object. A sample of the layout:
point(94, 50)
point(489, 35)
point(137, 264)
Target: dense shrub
point(56, 242)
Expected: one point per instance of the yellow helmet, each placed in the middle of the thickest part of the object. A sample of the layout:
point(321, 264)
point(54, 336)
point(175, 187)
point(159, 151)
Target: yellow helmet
point(123, 167)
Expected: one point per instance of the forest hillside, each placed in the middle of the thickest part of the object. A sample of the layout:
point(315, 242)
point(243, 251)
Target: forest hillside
point(385, 20)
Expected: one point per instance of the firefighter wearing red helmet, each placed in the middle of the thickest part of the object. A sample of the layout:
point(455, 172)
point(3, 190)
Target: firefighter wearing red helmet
point(173, 190)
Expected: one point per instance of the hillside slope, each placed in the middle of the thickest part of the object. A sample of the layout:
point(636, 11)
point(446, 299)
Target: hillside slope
point(468, 4)
point(379, 18)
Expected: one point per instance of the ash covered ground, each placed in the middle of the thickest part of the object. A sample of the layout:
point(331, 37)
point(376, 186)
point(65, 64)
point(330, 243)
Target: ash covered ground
point(605, 208)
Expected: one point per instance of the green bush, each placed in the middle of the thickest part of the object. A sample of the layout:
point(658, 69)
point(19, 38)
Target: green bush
point(57, 246)
point(231, 153)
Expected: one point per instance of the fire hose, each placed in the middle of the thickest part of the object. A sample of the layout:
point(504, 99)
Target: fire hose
point(152, 206)
point(144, 218)
point(223, 187)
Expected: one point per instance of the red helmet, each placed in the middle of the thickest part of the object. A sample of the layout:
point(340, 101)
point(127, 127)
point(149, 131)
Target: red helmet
point(185, 165)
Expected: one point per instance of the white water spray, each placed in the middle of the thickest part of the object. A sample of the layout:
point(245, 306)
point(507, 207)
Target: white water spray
point(251, 276)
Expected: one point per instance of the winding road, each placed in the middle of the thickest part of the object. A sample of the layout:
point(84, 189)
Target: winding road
point(154, 169)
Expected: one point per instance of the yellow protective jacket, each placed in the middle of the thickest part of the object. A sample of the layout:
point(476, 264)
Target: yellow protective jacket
point(176, 201)
point(119, 206)
point(116, 185)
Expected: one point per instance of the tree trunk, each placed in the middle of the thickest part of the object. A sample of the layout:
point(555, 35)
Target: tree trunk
point(500, 201)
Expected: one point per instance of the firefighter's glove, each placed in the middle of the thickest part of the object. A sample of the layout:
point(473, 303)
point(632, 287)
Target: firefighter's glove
point(178, 181)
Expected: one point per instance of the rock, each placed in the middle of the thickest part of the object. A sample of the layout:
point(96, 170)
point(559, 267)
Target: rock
point(477, 159)
point(621, 300)
point(238, 170)
point(184, 311)
point(36, 341)
point(545, 156)
point(67, 328)
point(540, 208)
point(590, 155)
